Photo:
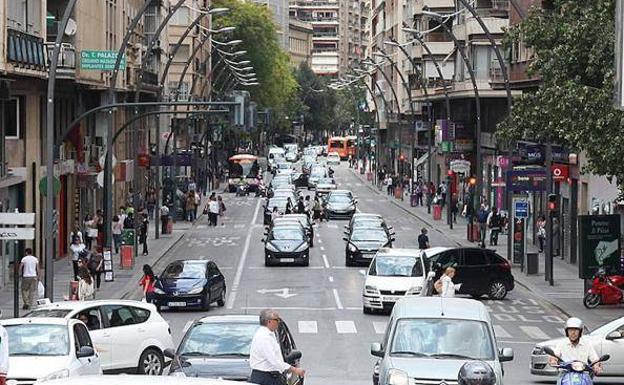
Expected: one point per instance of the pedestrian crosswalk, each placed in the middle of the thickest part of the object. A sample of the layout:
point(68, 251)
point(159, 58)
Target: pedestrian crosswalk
point(523, 334)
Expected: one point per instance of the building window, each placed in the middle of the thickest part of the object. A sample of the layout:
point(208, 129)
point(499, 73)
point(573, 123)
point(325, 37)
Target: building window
point(181, 17)
point(182, 54)
point(14, 118)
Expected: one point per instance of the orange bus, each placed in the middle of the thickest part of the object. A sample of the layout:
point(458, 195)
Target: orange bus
point(351, 146)
point(338, 144)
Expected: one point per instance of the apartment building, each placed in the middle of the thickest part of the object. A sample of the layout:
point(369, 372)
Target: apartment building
point(279, 11)
point(300, 37)
point(96, 29)
point(340, 32)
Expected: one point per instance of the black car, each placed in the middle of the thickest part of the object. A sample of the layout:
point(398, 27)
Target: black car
point(302, 219)
point(300, 179)
point(286, 245)
point(339, 205)
point(218, 347)
point(279, 202)
point(190, 283)
point(363, 243)
point(363, 220)
point(480, 271)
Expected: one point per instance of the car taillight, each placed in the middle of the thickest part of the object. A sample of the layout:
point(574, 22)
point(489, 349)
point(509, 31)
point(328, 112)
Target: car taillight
point(505, 266)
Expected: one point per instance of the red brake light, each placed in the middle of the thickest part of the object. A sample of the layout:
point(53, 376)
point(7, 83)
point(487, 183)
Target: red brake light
point(505, 266)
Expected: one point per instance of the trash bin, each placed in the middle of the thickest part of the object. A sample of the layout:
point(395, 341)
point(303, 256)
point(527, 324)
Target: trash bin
point(532, 263)
point(437, 212)
point(413, 200)
point(398, 192)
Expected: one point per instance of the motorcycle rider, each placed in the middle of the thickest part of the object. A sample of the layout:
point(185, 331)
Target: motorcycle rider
point(575, 348)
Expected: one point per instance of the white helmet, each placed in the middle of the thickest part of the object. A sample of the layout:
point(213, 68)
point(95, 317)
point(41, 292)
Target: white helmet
point(574, 323)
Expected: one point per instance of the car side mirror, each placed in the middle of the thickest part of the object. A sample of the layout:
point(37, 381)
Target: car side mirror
point(376, 350)
point(169, 353)
point(390, 228)
point(293, 356)
point(392, 239)
point(263, 240)
point(345, 239)
point(85, 351)
point(506, 354)
point(614, 335)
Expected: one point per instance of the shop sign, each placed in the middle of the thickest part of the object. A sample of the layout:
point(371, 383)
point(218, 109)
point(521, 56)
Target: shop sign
point(100, 60)
point(599, 244)
point(460, 166)
point(463, 145)
point(526, 179)
point(446, 146)
point(560, 172)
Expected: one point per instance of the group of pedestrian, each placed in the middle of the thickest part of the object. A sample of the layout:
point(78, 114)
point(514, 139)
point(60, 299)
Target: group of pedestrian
point(489, 220)
point(215, 208)
point(192, 202)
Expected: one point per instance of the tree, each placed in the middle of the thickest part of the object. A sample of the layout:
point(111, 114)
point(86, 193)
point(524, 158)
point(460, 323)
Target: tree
point(573, 41)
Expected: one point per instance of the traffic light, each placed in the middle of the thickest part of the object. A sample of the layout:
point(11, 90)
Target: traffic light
point(472, 181)
point(553, 205)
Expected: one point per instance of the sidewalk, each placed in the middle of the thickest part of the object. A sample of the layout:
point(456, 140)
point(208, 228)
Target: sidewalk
point(125, 280)
point(568, 290)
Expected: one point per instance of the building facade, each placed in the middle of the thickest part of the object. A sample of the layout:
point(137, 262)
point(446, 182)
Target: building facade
point(300, 42)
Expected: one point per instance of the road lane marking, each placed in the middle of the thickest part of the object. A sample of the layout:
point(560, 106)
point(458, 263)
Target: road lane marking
point(283, 267)
point(331, 279)
point(308, 327)
point(406, 228)
point(288, 308)
point(332, 226)
point(325, 261)
point(337, 299)
point(202, 226)
point(243, 259)
point(345, 327)
point(500, 332)
point(239, 225)
point(534, 332)
point(319, 240)
point(380, 327)
point(322, 248)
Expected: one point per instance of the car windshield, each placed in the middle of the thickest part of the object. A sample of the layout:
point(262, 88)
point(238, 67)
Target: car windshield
point(303, 219)
point(367, 222)
point(38, 340)
point(389, 266)
point(326, 181)
point(185, 270)
point(287, 233)
point(442, 339)
point(339, 198)
point(279, 203)
point(369, 235)
point(54, 313)
point(218, 340)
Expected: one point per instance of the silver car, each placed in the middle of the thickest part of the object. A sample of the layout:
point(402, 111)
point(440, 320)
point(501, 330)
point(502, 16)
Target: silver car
point(607, 339)
point(428, 339)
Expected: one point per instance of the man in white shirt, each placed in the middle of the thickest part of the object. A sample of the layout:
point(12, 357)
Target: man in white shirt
point(4, 354)
point(213, 211)
point(575, 348)
point(265, 355)
point(29, 267)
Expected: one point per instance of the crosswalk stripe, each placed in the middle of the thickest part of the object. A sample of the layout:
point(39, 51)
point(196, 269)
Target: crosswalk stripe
point(380, 327)
point(332, 226)
point(345, 327)
point(534, 332)
point(201, 226)
point(308, 327)
point(406, 228)
point(500, 332)
point(239, 226)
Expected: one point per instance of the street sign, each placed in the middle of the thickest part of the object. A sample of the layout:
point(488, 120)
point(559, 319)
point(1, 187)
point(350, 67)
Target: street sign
point(17, 219)
point(17, 233)
point(526, 178)
point(43, 186)
point(100, 60)
point(521, 209)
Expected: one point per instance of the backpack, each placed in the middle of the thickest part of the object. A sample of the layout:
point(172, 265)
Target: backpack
point(438, 286)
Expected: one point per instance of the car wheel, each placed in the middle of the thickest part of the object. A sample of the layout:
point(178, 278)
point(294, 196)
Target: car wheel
point(367, 310)
point(221, 300)
point(497, 290)
point(206, 302)
point(591, 300)
point(151, 363)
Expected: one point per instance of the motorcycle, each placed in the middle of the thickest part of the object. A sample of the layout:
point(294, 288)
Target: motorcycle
point(605, 290)
point(575, 372)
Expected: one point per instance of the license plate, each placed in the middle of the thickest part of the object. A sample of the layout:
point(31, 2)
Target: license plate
point(176, 304)
point(287, 260)
point(391, 299)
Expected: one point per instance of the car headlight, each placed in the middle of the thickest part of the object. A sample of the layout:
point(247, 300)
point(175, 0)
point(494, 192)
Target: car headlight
point(158, 291)
point(538, 351)
point(351, 207)
point(372, 290)
point(301, 247)
point(63, 373)
point(397, 377)
point(414, 290)
point(269, 246)
point(352, 248)
point(196, 290)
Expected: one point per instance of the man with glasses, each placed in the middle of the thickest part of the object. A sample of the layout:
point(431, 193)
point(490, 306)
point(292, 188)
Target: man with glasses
point(265, 355)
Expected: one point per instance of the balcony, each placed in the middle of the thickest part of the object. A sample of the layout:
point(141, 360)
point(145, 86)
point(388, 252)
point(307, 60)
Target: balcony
point(66, 63)
point(439, 4)
point(315, 4)
point(25, 50)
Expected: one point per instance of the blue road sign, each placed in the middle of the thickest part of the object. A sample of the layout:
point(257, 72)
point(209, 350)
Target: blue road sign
point(521, 209)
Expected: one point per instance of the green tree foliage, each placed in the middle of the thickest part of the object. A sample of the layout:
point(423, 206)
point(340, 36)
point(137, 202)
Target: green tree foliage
point(573, 42)
point(254, 26)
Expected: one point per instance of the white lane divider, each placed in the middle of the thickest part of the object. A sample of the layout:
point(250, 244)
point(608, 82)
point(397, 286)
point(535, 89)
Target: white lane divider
point(319, 240)
point(380, 327)
point(241, 262)
point(322, 248)
point(308, 327)
point(500, 332)
point(345, 327)
point(534, 332)
point(325, 261)
point(337, 299)
point(331, 279)
point(332, 226)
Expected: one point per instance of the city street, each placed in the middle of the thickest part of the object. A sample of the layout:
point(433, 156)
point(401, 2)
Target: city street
point(321, 304)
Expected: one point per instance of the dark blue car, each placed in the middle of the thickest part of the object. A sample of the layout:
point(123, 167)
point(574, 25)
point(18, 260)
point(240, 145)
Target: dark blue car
point(190, 283)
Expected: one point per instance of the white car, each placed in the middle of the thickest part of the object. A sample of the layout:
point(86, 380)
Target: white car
point(48, 348)
point(140, 380)
point(392, 274)
point(607, 339)
point(292, 156)
point(129, 335)
point(333, 158)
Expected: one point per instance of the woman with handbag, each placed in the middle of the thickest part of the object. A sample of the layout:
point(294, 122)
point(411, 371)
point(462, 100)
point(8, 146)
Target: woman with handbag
point(148, 283)
point(96, 267)
point(86, 291)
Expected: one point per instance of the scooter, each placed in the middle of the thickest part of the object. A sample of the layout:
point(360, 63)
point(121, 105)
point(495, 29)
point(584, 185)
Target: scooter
point(575, 372)
point(605, 290)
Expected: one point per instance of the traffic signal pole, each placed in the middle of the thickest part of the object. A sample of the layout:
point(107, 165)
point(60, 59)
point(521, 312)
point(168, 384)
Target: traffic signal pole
point(548, 272)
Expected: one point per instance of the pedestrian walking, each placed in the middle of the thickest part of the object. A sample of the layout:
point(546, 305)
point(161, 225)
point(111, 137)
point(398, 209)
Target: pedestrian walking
point(190, 206)
point(151, 203)
point(164, 218)
point(98, 220)
point(86, 291)
point(96, 267)
point(265, 357)
point(482, 216)
point(213, 211)
point(423, 239)
point(29, 268)
point(541, 232)
point(76, 233)
point(4, 354)
point(445, 286)
point(148, 283)
point(197, 203)
point(143, 233)
point(316, 208)
point(76, 249)
point(300, 206)
point(289, 206)
point(116, 231)
point(308, 206)
point(442, 194)
point(419, 194)
point(91, 230)
point(494, 224)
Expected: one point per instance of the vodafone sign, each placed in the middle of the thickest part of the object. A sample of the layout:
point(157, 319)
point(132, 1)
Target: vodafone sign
point(560, 171)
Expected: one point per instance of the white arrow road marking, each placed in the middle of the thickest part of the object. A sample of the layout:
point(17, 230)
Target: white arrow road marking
point(380, 327)
point(337, 299)
point(500, 332)
point(534, 332)
point(345, 327)
point(283, 292)
point(308, 327)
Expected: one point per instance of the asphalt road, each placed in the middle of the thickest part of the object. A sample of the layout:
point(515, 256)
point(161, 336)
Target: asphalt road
point(321, 304)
